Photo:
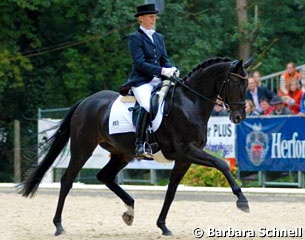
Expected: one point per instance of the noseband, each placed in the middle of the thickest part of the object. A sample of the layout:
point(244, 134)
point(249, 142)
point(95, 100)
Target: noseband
point(223, 90)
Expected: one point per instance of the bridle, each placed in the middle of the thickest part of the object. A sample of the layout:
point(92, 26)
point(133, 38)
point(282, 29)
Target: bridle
point(223, 90)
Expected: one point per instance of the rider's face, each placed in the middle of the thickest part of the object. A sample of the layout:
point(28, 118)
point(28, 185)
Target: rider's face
point(148, 21)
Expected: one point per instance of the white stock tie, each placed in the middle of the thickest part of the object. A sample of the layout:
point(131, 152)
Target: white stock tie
point(150, 34)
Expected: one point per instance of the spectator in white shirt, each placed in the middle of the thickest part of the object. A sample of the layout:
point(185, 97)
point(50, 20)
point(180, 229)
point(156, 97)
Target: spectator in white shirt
point(256, 93)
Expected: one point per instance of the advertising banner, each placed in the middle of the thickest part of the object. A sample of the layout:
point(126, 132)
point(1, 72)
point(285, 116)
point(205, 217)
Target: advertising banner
point(271, 144)
point(221, 137)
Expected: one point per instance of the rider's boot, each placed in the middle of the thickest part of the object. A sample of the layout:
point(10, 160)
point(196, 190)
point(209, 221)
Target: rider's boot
point(141, 126)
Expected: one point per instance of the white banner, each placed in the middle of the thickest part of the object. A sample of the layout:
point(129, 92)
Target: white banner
point(221, 137)
point(47, 127)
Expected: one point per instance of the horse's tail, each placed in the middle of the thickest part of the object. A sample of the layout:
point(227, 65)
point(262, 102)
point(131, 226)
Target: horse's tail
point(56, 144)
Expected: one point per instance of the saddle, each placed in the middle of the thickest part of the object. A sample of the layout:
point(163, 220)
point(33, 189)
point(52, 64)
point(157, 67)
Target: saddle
point(158, 96)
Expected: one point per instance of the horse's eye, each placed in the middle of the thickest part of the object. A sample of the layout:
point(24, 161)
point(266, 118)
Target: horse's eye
point(236, 85)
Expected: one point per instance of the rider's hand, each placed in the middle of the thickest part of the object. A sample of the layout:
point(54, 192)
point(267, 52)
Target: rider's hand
point(176, 71)
point(169, 72)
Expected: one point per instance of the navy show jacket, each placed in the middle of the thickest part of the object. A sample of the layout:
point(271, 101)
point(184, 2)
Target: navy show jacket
point(148, 59)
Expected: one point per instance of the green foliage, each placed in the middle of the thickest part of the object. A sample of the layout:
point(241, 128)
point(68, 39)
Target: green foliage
point(206, 176)
point(280, 33)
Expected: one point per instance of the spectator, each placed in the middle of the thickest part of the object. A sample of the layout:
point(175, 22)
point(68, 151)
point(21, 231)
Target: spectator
point(293, 98)
point(289, 75)
point(280, 108)
point(257, 77)
point(250, 109)
point(302, 101)
point(265, 105)
point(302, 79)
point(256, 93)
point(218, 110)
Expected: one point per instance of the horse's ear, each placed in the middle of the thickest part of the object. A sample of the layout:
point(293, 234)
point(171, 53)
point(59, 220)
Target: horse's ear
point(237, 65)
point(248, 62)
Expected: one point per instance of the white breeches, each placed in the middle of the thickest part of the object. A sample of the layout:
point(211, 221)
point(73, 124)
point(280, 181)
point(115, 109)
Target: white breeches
point(143, 93)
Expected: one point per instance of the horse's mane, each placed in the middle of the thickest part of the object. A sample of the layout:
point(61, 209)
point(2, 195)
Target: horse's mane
point(206, 64)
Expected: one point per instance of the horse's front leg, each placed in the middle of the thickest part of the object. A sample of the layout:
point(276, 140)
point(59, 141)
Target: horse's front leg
point(198, 156)
point(177, 174)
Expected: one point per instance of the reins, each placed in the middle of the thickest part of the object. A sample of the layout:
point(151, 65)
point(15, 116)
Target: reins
point(179, 81)
point(224, 88)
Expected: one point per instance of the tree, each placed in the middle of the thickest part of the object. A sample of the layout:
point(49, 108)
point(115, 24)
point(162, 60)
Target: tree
point(242, 18)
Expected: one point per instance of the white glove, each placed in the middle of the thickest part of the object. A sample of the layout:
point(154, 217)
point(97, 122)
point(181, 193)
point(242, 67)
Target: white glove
point(176, 71)
point(169, 72)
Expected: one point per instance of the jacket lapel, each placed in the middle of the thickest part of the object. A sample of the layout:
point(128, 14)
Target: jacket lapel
point(145, 37)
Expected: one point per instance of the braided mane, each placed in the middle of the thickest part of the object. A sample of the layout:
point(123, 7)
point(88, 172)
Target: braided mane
point(206, 64)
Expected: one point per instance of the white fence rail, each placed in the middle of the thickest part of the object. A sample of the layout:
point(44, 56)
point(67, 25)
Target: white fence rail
point(272, 80)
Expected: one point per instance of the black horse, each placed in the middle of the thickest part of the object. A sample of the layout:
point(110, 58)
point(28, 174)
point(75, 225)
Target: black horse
point(181, 136)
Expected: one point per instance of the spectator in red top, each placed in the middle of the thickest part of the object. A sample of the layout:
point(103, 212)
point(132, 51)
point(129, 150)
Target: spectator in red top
point(302, 102)
point(293, 98)
point(290, 74)
point(265, 105)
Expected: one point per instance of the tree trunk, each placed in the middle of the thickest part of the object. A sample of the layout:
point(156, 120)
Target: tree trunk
point(242, 18)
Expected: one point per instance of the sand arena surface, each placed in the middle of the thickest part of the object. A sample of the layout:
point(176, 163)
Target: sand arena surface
point(97, 215)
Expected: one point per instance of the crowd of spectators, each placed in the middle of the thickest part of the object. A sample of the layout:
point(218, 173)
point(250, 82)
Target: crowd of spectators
point(287, 100)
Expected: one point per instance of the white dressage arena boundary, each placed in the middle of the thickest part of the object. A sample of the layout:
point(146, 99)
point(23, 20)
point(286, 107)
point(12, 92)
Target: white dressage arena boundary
point(181, 188)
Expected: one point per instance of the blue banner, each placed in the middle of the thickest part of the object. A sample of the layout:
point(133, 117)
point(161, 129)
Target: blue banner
point(271, 144)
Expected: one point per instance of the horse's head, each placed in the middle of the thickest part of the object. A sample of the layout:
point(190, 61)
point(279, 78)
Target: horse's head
point(233, 90)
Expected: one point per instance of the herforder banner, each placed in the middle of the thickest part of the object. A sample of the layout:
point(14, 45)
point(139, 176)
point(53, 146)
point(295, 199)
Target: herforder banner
point(271, 144)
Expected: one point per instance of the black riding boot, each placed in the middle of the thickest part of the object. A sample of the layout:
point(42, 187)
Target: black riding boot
point(141, 126)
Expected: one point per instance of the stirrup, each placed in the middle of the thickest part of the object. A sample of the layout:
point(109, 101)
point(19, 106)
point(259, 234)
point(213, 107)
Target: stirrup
point(147, 151)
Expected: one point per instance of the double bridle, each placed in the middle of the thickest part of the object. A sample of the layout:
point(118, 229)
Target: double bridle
point(223, 90)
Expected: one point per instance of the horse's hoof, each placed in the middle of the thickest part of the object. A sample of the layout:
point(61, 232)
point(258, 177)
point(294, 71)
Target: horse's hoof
point(165, 230)
point(59, 229)
point(127, 218)
point(59, 232)
point(167, 233)
point(243, 205)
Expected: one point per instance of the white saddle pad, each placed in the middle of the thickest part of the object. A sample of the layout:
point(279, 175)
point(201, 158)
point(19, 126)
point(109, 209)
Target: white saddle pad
point(120, 120)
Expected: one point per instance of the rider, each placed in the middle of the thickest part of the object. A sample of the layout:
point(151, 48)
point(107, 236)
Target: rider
point(150, 62)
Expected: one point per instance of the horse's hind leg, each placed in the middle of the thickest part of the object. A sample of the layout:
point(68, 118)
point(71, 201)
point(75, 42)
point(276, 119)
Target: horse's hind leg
point(80, 153)
point(107, 176)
